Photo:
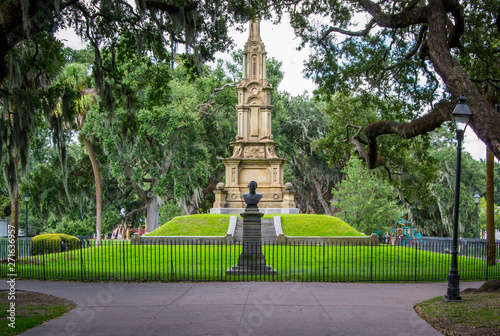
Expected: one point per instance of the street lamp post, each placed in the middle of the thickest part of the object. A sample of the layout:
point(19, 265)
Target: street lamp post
point(26, 197)
point(477, 197)
point(461, 115)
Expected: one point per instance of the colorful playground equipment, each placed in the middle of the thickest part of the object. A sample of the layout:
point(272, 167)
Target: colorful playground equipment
point(120, 232)
point(405, 233)
point(124, 231)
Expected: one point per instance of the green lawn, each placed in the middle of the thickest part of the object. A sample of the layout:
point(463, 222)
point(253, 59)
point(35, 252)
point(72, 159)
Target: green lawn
point(209, 263)
point(293, 225)
point(316, 225)
point(194, 225)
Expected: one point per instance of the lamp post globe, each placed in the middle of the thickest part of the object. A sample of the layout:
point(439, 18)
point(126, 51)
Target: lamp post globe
point(461, 116)
point(477, 197)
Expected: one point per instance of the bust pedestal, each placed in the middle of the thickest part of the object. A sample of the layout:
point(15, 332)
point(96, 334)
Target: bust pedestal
point(252, 261)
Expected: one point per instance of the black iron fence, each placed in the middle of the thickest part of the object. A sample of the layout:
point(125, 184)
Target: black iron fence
point(210, 261)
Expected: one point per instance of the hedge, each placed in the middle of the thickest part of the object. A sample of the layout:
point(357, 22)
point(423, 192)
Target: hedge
point(53, 242)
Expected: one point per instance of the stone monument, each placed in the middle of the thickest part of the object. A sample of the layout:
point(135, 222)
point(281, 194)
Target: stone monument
point(252, 261)
point(254, 151)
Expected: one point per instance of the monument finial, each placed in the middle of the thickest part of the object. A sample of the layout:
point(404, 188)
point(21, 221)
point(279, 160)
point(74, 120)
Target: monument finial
point(254, 30)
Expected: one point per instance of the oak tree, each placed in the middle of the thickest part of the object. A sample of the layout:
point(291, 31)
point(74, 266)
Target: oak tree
point(409, 50)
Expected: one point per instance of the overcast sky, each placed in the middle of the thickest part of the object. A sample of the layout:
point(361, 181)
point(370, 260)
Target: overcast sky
point(280, 43)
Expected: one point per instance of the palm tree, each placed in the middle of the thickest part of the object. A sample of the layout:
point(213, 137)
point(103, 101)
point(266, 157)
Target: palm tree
point(75, 77)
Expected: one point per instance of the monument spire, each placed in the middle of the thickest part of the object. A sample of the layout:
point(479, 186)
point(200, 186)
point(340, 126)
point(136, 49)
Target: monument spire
point(254, 54)
point(254, 151)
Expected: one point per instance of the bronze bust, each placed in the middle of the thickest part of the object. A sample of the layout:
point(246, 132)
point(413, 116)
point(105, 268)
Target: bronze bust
point(252, 198)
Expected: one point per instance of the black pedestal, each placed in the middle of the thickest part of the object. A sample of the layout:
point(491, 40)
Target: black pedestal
point(251, 261)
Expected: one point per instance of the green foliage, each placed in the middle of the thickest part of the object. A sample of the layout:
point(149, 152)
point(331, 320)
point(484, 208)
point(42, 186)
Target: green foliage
point(50, 205)
point(82, 56)
point(68, 224)
point(194, 225)
point(4, 206)
point(169, 211)
point(479, 54)
point(375, 62)
point(410, 165)
point(482, 215)
point(366, 202)
point(69, 239)
point(32, 64)
point(153, 135)
point(299, 124)
point(85, 227)
point(50, 242)
point(437, 217)
point(53, 242)
point(52, 210)
point(316, 226)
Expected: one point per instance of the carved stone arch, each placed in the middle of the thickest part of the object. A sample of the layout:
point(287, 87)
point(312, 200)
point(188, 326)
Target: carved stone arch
point(254, 101)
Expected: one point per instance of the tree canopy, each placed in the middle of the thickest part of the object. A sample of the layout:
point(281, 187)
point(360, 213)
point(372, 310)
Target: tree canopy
point(400, 49)
point(383, 69)
point(409, 51)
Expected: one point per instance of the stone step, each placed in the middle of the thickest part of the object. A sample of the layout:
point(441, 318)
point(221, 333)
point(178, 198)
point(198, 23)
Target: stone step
point(268, 233)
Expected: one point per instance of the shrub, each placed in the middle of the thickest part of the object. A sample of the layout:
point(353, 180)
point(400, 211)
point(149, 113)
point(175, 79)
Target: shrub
point(53, 242)
point(71, 242)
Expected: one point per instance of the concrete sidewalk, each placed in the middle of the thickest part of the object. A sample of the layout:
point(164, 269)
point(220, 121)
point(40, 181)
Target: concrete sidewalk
point(250, 308)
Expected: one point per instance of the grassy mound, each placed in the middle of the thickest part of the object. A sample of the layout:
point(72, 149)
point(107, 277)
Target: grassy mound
point(293, 225)
point(194, 225)
point(316, 226)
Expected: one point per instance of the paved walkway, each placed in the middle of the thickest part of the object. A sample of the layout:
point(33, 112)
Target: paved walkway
point(251, 308)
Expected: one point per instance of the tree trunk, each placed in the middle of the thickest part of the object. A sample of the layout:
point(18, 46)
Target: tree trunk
point(14, 220)
point(191, 208)
point(98, 189)
point(320, 198)
point(10, 170)
point(490, 208)
point(485, 118)
point(153, 213)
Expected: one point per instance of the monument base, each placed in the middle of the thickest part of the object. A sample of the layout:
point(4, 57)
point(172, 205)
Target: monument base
point(251, 262)
point(266, 211)
point(240, 270)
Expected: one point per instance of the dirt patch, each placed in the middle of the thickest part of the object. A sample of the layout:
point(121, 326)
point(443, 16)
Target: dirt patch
point(32, 303)
point(476, 315)
point(451, 328)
